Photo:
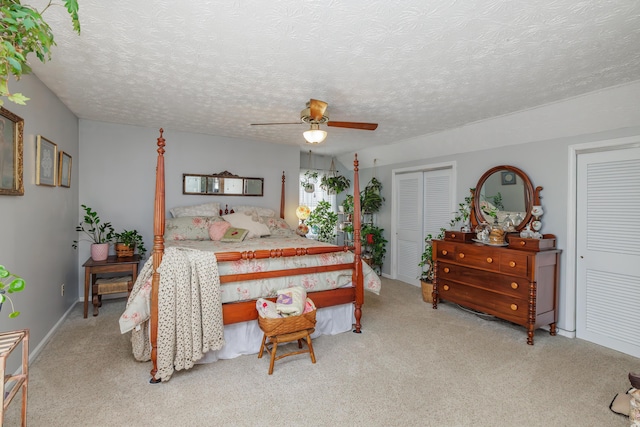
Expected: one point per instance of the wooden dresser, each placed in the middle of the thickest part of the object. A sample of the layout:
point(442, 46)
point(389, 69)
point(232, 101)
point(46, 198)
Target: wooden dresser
point(515, 284)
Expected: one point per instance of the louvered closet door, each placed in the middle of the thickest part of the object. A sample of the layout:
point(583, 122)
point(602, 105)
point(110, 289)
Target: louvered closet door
point(424, 206)
point(608, 249)
point(408, 226)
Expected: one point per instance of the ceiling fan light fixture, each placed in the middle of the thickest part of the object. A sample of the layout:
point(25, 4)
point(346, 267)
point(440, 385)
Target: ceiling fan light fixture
point(314, 135)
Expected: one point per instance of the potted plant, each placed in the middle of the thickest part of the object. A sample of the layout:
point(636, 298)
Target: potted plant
point(463, 212)
point(375, 246)
point(99, 234)
point(324, 221)
point(127, 242)
point(371, 198)
point(309, 180)
point(426, 262)
point(9, 284)
point(24, 31)
point(334, 184)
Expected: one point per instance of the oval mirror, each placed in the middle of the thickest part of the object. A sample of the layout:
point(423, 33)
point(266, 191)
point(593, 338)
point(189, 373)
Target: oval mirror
point(504, 192)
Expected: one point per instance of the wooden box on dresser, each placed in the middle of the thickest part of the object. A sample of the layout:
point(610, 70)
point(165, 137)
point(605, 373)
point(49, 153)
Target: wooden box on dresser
point(514, 284)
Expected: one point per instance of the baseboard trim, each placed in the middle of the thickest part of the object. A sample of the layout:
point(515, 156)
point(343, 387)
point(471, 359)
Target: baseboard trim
point(36, 351)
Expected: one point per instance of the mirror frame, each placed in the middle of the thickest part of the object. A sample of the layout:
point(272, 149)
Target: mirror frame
point(225, 174)
point(529, 194)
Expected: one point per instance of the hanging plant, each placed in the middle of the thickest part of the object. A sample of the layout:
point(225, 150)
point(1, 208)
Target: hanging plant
point(309, 179)
point(334, 184)
point(24, 31)
point(371, 198)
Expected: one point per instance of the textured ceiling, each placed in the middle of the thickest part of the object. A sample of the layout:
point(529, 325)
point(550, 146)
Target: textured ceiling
point(414, 67)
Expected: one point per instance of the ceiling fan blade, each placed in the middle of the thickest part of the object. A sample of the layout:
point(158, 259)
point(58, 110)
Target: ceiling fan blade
point(269, 124)
point(317, 109)
point(353, 125)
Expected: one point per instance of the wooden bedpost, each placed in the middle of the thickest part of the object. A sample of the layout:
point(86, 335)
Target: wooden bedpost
point(158, 250)
point(282, 198)
point(357, 272)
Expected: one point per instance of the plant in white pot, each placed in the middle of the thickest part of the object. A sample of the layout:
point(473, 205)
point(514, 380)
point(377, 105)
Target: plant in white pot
point(309, 181)
point(100, 234)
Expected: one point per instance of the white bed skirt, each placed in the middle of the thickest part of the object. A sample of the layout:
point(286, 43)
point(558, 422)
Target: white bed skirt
point(246, 337)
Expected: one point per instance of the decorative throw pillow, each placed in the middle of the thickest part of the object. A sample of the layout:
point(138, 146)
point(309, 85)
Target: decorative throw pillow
point(205, 209)
point(217, 229)
point(188, 227)
point(234, 235)
point(242, 220)
point(278, 227)
point(259, 210)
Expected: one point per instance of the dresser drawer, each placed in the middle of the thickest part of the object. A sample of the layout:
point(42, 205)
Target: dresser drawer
point(512, 262)
point(444, 251)
point(506, 307)
point(478, 256)
point(513, 286)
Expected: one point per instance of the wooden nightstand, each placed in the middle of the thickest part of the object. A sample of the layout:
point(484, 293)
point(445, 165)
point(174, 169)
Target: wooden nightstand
point(114, 266)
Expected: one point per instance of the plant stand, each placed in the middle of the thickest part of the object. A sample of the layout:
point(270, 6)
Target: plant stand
point(9, 341)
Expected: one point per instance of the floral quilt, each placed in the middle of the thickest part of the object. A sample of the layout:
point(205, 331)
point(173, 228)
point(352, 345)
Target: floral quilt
point(264, 288)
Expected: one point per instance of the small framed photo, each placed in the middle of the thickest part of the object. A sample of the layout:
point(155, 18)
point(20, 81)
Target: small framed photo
point(46, 162)
point(11, 134)
point(508, 178)
point(64, 170)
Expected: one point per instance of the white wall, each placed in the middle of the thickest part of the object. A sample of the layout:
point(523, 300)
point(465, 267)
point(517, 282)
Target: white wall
point(39, 227)
point(535, 141)
point(118, 173)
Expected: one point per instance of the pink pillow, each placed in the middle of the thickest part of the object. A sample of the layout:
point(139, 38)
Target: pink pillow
point(217, 229)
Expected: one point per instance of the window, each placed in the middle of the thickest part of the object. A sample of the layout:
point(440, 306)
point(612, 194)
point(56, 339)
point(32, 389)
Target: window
point(312, 199)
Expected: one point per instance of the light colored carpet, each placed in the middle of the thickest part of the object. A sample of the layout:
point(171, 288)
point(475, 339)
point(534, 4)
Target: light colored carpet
point(411, 366)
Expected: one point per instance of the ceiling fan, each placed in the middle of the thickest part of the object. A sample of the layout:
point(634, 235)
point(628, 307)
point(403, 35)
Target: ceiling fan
point(315, 115)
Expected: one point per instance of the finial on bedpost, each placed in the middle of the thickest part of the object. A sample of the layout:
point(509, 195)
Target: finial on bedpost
point(161, 143)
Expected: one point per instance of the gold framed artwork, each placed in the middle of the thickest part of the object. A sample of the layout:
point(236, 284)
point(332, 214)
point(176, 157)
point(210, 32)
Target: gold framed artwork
point(64, 170)
point(46, 162)
point(11, 134)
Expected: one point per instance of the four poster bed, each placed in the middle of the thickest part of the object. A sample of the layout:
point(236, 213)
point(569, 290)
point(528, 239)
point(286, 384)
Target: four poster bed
point(220, 283)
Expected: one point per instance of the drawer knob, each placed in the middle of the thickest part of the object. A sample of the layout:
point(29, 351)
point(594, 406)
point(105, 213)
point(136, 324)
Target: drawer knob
point(514, 307)
point(512, 263)
point(522, 243)
point(453, 235)
point(446, 269)
point(461, 255)
point(514, 285)
point(444, 252)
point(445, 287)
point(489, 260)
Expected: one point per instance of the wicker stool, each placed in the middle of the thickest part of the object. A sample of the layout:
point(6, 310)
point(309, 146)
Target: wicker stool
point(114, 285)
point(272, 345)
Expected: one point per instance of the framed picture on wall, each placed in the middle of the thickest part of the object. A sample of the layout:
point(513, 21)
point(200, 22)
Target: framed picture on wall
point(11, 133)
point(64, 170)
point(46, 162)
point(508, 178)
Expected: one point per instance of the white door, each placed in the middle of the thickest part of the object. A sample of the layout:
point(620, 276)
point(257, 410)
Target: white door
point(408, 226)
point(608, 249)
point(423, 207)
